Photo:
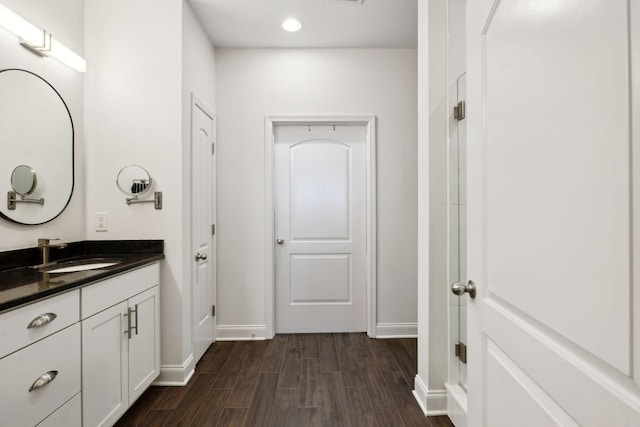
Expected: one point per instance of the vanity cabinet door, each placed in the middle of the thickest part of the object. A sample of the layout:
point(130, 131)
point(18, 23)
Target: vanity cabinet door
point(144, 344)
point(105, 367)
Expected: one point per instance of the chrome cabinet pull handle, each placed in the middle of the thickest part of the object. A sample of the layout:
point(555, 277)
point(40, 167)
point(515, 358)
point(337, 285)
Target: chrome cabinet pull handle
point(135, 310)
point(42, 320)
point(129, 325)
point(43, 380)
point(128, 331)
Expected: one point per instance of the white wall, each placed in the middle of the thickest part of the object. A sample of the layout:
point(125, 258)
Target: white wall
point(438, 199)
point(64, 19)
point(253, 83)
point(433, 218)
point(133, 110)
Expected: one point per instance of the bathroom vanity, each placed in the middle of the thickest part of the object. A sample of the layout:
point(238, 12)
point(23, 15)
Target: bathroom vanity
point(77, 348)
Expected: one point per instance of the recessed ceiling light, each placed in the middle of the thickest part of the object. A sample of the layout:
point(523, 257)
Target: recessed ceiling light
point(291, 25)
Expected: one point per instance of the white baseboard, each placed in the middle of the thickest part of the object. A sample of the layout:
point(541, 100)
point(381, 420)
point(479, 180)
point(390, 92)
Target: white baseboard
point(432, 402)
point(241, 332)
point(397, 330)
point(457, 405)
point(176, 375)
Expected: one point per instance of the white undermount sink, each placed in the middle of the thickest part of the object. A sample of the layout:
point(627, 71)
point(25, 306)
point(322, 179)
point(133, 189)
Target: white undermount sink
point(80, 265)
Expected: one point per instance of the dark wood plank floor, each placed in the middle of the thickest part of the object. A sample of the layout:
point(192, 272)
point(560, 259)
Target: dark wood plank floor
point(293, 380)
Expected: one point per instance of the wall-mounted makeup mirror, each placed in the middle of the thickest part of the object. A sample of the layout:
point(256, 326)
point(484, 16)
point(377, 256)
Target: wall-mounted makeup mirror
point(135, 181)
point(36, 134)
point(24, 181)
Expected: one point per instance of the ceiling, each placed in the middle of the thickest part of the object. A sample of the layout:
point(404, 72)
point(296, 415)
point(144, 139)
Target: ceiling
point(325, 23)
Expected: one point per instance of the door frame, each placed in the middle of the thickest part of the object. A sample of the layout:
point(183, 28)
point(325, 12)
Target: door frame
point(371, 207)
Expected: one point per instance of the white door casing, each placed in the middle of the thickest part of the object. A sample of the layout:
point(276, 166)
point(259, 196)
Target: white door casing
point(320, 224)
point(368, 122)
point(202, 220)
point(550, 216)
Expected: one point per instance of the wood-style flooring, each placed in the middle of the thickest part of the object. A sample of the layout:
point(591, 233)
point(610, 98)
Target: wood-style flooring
point(293, 380)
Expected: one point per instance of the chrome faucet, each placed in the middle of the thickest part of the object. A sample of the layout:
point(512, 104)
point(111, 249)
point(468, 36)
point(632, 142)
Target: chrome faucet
point(45, 245)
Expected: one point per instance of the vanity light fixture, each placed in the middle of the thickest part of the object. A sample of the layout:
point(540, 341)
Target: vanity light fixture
point(292, 25)
point(39, 41)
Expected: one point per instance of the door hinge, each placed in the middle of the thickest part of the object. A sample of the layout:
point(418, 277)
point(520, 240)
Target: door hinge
point(459, 111)
point(213, 311)
point(213, 148)
point(461, 352)
point(213, 229)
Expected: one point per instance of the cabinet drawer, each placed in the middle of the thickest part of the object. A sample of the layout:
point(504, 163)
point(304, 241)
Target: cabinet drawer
point(107, 293)
point(60, 352)
point(69, 415)
point(15, 332)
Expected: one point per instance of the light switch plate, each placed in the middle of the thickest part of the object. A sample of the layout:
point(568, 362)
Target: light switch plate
point(102, 223)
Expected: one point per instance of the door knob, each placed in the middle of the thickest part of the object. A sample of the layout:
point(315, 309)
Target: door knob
point(460, 288)
point(201, 257)
point(280, 241)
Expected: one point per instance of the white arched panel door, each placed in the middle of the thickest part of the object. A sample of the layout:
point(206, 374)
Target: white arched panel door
point(320, 228)
point(203, 248)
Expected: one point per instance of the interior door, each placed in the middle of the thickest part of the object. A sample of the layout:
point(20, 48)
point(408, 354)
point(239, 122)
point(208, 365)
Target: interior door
point(549, 214)
point(320, 187)
point(202, 222)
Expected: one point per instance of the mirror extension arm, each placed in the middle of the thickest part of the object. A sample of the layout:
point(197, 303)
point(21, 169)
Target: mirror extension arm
point(13, 200)
point(157, 200)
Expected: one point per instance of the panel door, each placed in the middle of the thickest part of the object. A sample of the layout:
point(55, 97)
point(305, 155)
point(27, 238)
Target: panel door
point(549, 214)
point(320, 228)
point(144, 344)
point(202, 218)
point(105, 367)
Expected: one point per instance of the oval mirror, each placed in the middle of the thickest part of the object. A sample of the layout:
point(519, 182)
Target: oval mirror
point(36, 129)
point(134, 180)
point(24, 180)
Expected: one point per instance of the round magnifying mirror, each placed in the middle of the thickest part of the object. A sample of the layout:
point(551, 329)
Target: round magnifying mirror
point(23, 180)
point(134, 180)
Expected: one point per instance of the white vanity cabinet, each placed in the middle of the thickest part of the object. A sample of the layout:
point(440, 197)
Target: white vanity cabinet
point(40, 363)
point(120, 343)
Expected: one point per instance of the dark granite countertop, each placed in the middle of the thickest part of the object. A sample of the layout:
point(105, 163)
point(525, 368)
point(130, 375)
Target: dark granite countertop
point(20, 283)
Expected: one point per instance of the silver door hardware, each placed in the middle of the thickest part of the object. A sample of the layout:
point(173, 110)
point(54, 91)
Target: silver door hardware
point(280, 241)
point(460, 288)
point(213, 229)
point(129, 323)
point(213, 148)
point(43, 380)
point(135, 310)
point(461, 352)
point(459, 111)
point(42, 320)
point(213, 311)
point(201, 257)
